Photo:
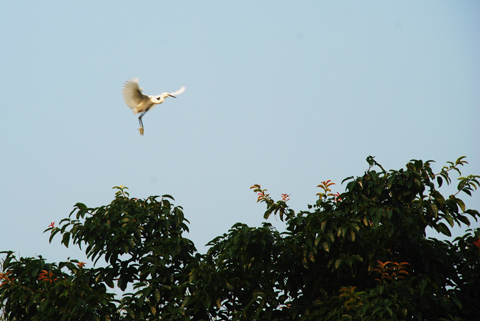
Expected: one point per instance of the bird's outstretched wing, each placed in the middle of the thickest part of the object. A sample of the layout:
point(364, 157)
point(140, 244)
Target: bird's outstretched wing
point(132, 94)
point(178, 92)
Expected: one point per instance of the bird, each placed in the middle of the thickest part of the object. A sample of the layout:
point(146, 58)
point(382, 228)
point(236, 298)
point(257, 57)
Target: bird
point(140, 103)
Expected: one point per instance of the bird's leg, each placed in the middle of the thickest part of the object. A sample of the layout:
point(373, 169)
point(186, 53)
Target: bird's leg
point(140, 119)
point(141, 123)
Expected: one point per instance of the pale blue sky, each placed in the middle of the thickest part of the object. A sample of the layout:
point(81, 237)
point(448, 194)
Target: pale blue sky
point(282, 94)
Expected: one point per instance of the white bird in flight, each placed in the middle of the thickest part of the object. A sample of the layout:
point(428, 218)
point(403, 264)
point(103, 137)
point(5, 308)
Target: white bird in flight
point(140, 103)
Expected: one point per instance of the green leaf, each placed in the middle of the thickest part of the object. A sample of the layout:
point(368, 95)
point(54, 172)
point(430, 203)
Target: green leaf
point(380, 288)
point(66, 239)
point(339, 232)
point(246, 237)
point(449, 219)
point(442, 228)
point(81, 206)
point(305, 262)
point(389, 214)
point(461, 204)
point(130, 313)
point(326, 246)
point(376, 309)
point(423, 284)
point(433, 209)
point(365, 221)
point(439, 181)
point(357, 257)
point(331, 236)
point(53, 233)
point(460, 161)
point(355, 226)
point(323, 225)
point(464, 219)
point(352, 235)
point(338, 262)
point(389, 311)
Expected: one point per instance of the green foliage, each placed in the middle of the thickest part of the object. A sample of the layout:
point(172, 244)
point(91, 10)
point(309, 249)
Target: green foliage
point(35, 290)
point(357, 255)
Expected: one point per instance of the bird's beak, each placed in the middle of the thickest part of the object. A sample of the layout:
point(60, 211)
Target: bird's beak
point(172, 96)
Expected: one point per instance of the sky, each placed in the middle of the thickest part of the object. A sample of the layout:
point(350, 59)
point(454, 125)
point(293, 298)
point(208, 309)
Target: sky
point(284, 95)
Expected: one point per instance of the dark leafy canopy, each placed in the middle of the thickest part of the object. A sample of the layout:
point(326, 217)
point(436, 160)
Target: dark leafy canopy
point(359, 255)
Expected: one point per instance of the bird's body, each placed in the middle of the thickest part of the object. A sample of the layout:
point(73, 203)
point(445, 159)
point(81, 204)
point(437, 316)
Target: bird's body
point(140, 103)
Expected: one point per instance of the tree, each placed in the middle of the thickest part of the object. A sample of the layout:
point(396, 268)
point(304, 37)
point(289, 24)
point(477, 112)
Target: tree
point(357, 255)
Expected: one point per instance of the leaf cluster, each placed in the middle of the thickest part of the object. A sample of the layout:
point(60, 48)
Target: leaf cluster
point(361, 254)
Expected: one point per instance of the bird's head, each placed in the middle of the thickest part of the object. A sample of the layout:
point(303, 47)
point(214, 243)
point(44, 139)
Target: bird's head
point(160, 98)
